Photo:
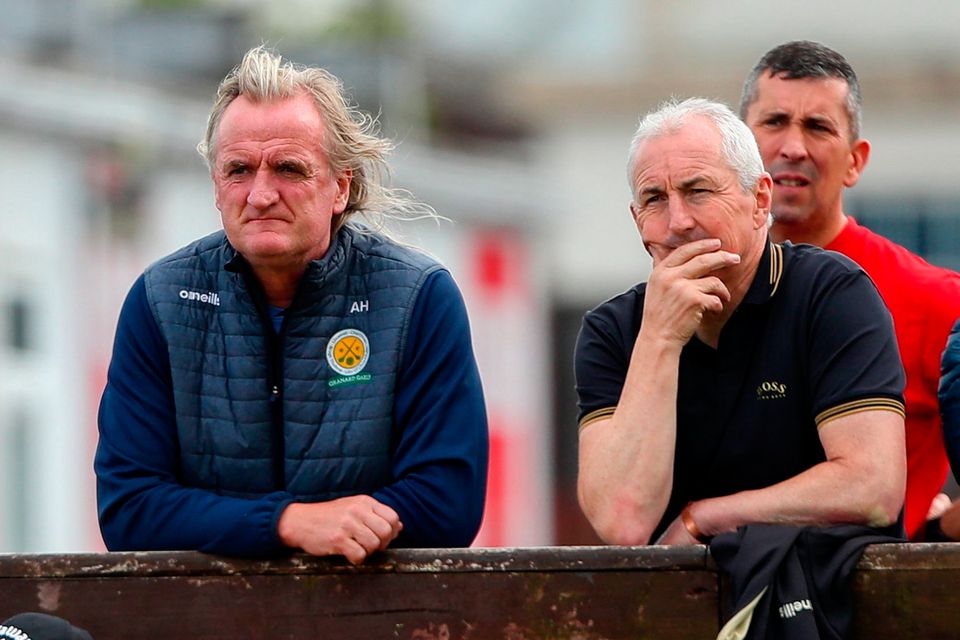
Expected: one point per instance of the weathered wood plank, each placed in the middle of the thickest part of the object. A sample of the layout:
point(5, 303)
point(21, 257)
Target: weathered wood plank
point(585, 593)
point(157, 563)
point(908, 591)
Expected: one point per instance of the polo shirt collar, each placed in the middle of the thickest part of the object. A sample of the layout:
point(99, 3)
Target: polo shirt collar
point(769, 273)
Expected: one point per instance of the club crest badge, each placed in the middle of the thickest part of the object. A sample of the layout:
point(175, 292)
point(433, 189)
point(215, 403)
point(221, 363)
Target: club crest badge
point(348, 352)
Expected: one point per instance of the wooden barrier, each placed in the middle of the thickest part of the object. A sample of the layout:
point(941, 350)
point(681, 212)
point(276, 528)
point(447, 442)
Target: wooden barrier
point(582, 593)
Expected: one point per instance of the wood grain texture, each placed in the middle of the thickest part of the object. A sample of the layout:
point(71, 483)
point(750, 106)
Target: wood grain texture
point(575, 593)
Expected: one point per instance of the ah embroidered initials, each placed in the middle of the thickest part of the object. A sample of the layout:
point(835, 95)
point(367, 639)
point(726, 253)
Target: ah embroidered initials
point(360, 306)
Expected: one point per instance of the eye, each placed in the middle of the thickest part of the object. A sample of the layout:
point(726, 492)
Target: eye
point(819, 127)
point(235, 170)
point(651, 198)
point(290, 169)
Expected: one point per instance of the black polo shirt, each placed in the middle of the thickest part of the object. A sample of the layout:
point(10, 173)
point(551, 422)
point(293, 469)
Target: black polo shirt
point(811, 341)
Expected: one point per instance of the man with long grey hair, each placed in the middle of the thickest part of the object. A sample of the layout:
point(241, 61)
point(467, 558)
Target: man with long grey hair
point(746, 381)
point(296, 380)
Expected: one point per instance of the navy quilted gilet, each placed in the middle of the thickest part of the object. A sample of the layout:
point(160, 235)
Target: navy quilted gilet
point(259, 412)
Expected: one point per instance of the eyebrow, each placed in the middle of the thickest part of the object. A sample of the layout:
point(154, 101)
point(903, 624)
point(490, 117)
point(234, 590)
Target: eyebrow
point(235, 162)
point(821, 119)
point(285, 161)
point(782, 113)
point(651, 189)
point(685, 185)
point(693, 182)
point(772, 113)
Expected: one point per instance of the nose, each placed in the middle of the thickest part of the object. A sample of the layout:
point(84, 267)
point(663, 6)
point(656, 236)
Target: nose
point(792, 145)
point(262, 193)
point(680, 218)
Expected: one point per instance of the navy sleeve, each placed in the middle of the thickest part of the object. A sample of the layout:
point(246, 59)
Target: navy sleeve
point(854, 360)
point(440, 455)
point(949, 396)
point(141, 504)
point(602, 354)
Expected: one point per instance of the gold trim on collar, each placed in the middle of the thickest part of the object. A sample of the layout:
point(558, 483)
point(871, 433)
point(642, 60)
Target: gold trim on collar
point(776, 266)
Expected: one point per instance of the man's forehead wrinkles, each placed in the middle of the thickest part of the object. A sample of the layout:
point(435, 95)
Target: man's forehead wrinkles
point(270, 152)
point(802, 110)
point(682, 178)
point(261, 145)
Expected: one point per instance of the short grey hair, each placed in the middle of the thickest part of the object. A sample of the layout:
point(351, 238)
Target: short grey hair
point(737, 144)
point(351, 139)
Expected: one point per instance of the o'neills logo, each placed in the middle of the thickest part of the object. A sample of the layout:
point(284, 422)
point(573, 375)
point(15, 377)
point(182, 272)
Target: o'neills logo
point(13, 633)
point(791, 609)
point(210, 297)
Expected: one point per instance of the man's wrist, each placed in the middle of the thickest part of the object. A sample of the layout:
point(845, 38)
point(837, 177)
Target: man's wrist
point(664, 344)
point(287, 525)
point(686, 517)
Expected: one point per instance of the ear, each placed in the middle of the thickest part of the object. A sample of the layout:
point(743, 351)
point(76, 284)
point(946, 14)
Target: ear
point(859, 155)
point(216, 196)
point(635, 214)
point(343, 191)
point(763, 192)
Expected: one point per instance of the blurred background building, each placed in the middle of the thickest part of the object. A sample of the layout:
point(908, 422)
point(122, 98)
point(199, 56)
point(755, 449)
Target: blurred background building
point(513, 120)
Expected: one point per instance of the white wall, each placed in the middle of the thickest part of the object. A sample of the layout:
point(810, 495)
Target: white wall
point(40, 189)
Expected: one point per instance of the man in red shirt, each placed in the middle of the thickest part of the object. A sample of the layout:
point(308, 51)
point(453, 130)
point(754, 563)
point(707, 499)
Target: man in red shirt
point(802, 101)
